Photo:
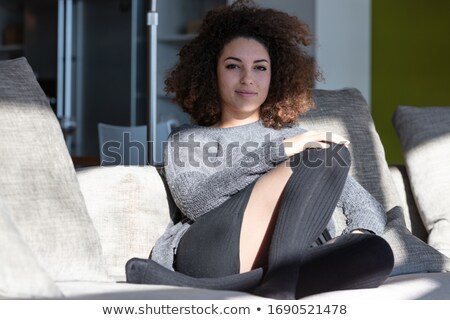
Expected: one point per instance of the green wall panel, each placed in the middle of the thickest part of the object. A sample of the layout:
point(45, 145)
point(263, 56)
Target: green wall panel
point(410, 61)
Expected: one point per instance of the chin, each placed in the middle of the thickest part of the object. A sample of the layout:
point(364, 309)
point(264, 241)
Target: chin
point(249, 107)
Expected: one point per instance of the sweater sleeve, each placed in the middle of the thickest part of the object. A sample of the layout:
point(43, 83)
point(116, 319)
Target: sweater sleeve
point(198, 184)
point(362, 210)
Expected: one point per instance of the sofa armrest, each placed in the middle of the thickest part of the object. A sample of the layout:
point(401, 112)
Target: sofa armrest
point(412, 218)
point(128, 206)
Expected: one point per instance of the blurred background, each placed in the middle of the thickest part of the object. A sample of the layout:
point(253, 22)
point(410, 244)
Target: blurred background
point(91, 56)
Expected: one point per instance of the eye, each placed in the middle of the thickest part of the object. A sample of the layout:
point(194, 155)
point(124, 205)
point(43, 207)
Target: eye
point(261, 68)
point(232, 66)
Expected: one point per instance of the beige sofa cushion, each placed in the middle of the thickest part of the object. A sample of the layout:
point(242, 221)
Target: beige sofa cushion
point(128, 206)
point(346, 113)
point(38, 182)
point(21, 276)
point(425, 137)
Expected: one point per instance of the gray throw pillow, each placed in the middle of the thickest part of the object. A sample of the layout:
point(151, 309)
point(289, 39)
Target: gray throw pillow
point(346, 113)
point(410, 212)
point(411, 255)
point(424, 134)
point(38, 182)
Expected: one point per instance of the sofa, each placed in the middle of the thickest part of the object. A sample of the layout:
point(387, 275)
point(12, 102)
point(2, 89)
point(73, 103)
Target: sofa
point(67, 234)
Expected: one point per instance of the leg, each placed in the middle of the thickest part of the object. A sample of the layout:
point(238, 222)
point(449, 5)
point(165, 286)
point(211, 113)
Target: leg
point(307, 204)
point(259, 217)
point(263, 206)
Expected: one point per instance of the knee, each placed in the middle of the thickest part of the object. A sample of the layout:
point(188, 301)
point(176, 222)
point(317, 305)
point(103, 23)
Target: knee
point(336, 156)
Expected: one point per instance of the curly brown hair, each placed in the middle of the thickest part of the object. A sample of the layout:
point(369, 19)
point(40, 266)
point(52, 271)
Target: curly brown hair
point(193, 80)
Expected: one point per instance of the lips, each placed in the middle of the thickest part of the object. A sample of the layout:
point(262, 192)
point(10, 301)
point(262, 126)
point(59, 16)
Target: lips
point(246, 93)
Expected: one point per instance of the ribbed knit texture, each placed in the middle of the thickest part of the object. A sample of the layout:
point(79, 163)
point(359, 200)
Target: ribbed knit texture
point(205, 166)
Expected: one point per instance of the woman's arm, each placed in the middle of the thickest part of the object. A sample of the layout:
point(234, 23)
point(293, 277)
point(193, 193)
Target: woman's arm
point(362, 210)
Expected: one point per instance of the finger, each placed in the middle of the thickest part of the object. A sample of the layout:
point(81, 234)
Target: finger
point(334, 138)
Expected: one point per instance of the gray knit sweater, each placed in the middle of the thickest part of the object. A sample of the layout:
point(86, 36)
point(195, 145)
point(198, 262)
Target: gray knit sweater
point(205, 166)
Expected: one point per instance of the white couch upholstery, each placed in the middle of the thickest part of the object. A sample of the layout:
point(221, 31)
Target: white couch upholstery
point(73, 232)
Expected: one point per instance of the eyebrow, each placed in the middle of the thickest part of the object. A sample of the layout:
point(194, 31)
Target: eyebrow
point(237, 59)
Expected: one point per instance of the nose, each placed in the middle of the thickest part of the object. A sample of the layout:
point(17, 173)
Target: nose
point(246, 77)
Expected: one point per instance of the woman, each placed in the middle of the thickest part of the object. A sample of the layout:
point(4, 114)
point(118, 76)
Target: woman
point(255, 191)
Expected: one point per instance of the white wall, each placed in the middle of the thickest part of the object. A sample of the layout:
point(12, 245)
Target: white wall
point(343, 49)
point(303, 9)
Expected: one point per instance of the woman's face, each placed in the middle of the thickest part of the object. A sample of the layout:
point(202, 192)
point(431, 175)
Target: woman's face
point(243, 77)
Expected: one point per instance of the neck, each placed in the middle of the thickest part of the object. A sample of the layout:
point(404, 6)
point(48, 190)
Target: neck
point(230, 121)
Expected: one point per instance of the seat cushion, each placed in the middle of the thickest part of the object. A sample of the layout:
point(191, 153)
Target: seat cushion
point(38, 183)
point(424, 133)
point(429, 286)
point(130, 291)
point(425, 286)
point(21, 276)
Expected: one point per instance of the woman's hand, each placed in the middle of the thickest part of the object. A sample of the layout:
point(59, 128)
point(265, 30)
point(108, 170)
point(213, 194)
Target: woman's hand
point(311, 140)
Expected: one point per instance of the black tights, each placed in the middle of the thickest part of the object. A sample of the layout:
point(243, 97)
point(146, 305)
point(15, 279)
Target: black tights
point(294, 269)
